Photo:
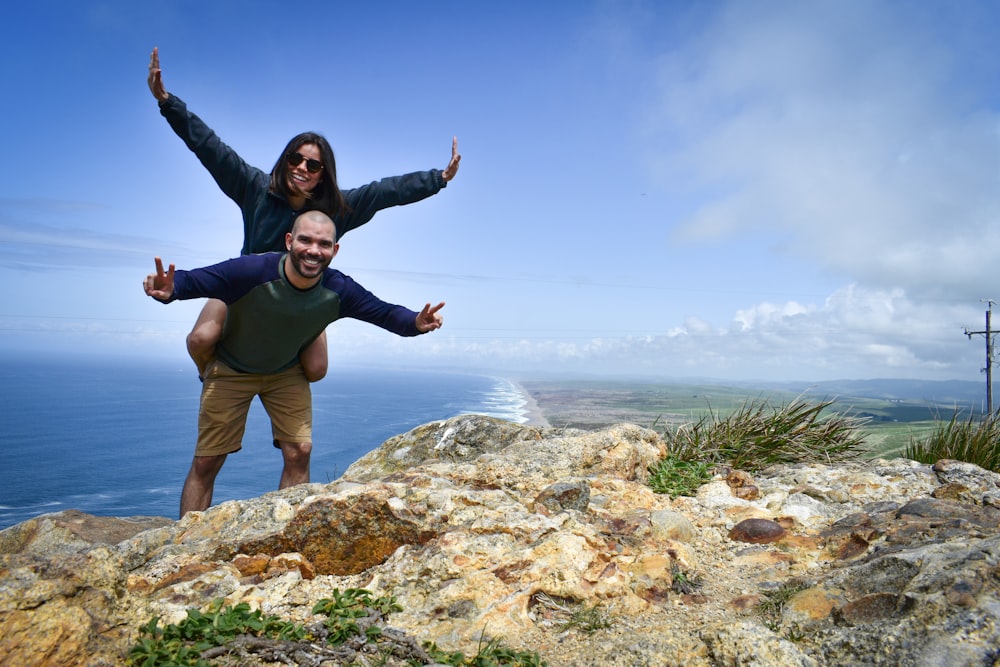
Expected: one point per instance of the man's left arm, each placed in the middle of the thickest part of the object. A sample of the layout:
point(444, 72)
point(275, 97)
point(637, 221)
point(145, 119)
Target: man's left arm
point(429, 318)
point(358, 303)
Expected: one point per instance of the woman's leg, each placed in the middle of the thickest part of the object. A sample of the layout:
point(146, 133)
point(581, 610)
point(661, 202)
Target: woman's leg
point(314, 359)
point(206, 333)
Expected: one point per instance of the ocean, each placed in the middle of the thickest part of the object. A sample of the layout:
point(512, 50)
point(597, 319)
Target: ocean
point(116, 438)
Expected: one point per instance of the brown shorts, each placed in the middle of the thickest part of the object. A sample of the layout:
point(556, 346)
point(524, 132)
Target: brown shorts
point(226, 396)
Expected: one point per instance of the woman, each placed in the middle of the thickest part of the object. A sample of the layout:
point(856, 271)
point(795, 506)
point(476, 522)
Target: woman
point(303, 178)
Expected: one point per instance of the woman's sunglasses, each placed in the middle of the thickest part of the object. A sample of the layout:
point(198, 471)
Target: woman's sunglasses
point(312, 166)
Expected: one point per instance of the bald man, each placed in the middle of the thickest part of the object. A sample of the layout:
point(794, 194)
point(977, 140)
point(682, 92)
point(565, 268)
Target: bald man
point(278, 303)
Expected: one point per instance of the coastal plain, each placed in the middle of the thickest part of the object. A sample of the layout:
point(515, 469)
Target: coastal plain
point(892, 413)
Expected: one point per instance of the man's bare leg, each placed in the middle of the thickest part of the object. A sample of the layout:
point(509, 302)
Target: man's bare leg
point(206, 333)
point(296, 456)
point(197, 493)
point(315, 359)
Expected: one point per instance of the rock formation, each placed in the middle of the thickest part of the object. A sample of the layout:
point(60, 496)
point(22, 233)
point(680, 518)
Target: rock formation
point(485, 528)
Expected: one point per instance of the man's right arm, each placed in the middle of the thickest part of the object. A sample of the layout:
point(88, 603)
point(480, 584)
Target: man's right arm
point(227, 281)
point(160, 285)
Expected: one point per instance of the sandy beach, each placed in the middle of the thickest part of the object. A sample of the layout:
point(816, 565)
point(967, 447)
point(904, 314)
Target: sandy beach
point(531, 409)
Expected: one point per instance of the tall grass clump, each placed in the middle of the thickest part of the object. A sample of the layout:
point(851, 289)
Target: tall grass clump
point(971, 440)
point(754, 437)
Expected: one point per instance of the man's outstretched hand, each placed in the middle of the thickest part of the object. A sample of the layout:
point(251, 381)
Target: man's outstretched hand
point(160, 285)
point(428, 319)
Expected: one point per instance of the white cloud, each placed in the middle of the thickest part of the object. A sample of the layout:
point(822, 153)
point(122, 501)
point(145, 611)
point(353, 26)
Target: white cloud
point(855, 333)
point(850, 129)
point(765, 313)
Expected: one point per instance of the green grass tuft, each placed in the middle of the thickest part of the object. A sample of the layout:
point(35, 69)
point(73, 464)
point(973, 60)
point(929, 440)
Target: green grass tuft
point(677, 477)
point(971, 440)
point(581, 618)
point(489, 654)
point(771, 608)
point(752, 438)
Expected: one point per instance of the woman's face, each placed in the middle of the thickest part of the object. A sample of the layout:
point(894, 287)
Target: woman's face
point(300, 180)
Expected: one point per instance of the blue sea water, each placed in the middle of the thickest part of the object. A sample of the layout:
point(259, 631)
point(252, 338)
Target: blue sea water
point(116, 439)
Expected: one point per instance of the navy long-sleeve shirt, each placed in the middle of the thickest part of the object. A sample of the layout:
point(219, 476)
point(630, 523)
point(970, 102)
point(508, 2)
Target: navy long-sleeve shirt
point(270, 320)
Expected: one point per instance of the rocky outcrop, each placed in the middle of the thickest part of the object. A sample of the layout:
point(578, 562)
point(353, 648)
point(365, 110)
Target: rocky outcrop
point(484, 528)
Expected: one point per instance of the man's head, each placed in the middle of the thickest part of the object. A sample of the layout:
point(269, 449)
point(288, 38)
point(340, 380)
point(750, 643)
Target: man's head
point(311, 247)
point(307, 168)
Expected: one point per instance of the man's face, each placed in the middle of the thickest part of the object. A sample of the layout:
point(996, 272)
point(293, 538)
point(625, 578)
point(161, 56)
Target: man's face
point(311, 247)
point(300, 180)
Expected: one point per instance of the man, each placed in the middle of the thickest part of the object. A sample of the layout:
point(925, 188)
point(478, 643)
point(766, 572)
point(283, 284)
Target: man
point(278, 303)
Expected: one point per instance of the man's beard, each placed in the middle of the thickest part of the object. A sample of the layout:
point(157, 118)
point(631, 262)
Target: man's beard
point(307, 271)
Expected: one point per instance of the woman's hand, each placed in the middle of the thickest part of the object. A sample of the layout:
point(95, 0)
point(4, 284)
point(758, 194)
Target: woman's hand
point(155, 78)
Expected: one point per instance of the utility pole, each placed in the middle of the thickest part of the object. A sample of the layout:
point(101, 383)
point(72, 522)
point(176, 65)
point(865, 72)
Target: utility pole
point(989, 333)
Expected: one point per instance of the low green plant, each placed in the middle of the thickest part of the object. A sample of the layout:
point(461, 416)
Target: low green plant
point(678, 477)
point(795, 633)
point(587, 620)
point(681, 582)
point(770, 608)
point(491, 654)
point(971, 440)
point(181, 644)
point(345, 607)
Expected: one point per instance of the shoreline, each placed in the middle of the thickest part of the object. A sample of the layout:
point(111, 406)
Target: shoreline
point(532, 413)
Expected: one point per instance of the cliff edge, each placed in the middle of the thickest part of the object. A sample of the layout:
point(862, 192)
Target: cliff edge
point(485, 528)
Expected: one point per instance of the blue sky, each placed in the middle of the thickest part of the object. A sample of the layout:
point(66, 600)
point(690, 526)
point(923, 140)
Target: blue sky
point(733, 189)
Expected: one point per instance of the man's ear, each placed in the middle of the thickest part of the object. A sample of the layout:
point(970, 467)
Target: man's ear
point(336, 249)
point(288, 240)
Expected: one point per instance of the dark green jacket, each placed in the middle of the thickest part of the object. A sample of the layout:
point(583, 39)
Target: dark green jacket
point(267, 216)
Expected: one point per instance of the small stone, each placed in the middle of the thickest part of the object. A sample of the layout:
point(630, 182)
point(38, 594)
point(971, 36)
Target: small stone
point(746, 602)
point(963, 593)
point(757, 531)
point(955, 491)
point(250, 566)
point(855, 545)
point(750, 492)
point(671, 525)
point(871, 608)
point(738, 478)
point(562, 496)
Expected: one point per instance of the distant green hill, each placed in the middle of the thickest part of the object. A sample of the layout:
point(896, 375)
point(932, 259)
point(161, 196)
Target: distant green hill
point(960, 393)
